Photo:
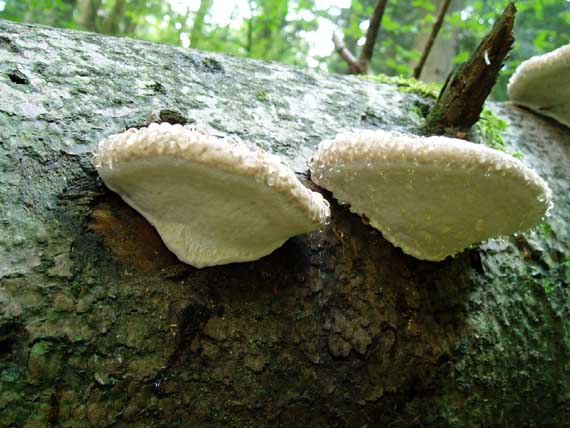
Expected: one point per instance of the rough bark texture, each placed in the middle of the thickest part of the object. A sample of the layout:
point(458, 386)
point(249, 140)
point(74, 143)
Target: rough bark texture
point(100, 326)
point(461, 100)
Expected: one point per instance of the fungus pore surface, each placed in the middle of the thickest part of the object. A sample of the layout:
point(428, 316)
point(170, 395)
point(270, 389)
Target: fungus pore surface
point(432, 197)
point(213, 201)
point(542, 83)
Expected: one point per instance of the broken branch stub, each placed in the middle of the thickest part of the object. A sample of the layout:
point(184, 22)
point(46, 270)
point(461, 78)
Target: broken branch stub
point(461, 100)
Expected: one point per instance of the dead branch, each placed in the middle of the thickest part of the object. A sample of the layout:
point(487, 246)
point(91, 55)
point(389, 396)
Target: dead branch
point(434, 32)
point(461, 100)
point(345, 54)
point(360, 65)
point(372, 34)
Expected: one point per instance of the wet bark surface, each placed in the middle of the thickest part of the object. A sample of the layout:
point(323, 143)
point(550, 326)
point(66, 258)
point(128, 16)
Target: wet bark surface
point(100, 326)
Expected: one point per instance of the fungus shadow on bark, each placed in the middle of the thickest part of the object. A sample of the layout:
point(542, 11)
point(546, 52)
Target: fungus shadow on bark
point(129, 236)
point(552, 123)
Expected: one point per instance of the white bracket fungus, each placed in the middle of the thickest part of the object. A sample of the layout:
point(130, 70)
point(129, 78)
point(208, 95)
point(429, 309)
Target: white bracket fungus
point(542, 83)
point(432, 197)
point(213, 201)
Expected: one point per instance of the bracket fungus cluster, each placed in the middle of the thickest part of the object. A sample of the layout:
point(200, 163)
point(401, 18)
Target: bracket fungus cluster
point(432, 197)
point(213, 201)
point(542, 84)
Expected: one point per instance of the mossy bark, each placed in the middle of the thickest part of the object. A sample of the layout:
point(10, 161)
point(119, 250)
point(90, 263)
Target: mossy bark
point(100, 326)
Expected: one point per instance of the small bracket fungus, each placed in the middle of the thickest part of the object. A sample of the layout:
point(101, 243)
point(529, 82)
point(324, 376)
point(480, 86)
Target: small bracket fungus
point(542, 83)
point(213, 201)
point(432, 197)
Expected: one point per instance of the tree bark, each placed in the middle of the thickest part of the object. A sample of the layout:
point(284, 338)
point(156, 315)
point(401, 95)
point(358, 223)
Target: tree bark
point(101, 326)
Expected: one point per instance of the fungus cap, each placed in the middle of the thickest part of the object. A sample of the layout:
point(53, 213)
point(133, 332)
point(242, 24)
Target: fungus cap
point(542, 84)
point(213, 201)
point(432, 197)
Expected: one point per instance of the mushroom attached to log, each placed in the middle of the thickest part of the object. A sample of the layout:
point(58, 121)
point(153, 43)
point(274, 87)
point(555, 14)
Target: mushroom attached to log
point(542, 84)
point(213, 201)
point(432, 197)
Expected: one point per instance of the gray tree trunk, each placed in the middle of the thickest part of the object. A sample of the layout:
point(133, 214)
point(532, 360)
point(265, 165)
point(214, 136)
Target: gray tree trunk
point(198, 24)
point(87, 13)
point(100, 326)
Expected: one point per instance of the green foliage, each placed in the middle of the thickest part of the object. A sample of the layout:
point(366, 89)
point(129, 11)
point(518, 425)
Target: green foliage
point(565, 268)
point(282, 30)
point(540, 27)
point(270, 29)
point(272, 34)
point(488, 130)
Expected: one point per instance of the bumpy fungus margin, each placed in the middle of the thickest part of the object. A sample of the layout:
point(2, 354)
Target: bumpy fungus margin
point(542, 84)
point(213, 201)
point(433, 196)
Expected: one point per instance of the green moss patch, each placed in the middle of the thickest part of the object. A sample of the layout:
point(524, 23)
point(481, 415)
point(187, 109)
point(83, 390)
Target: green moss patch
point(262, 96)
point(488, 130)
point(408, 84)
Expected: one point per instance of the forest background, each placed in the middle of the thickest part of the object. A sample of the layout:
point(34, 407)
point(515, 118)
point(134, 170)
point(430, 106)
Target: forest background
point(300, 31)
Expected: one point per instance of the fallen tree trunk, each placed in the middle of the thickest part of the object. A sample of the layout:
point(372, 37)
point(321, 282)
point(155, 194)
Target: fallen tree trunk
point(101, 326)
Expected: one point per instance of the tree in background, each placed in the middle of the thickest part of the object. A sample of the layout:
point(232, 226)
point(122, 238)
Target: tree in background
point(430, 67)
point(541, 26)
point(280, 30)
point(394, 47)
point(360, 65)
point(274, 30)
